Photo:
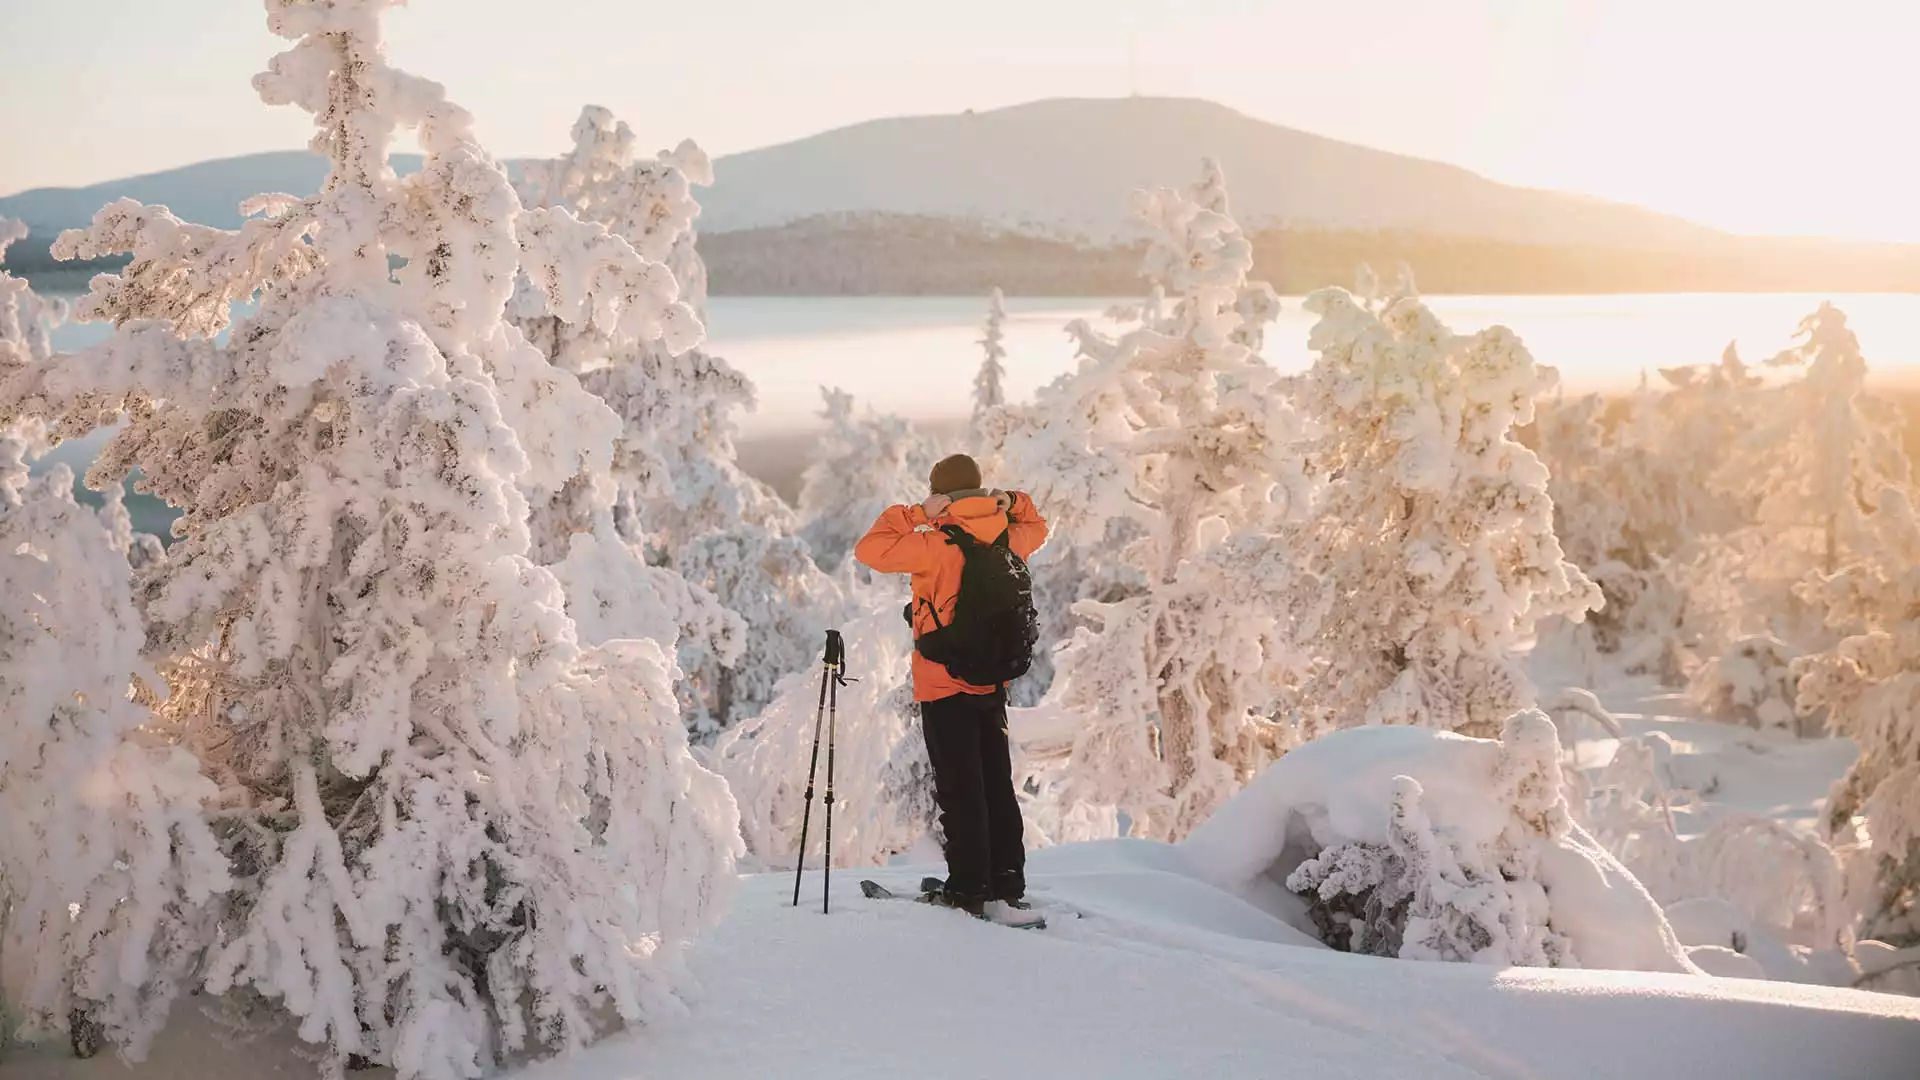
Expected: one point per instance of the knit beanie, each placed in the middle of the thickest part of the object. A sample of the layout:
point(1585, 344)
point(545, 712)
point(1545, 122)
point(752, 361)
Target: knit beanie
point(957, 473)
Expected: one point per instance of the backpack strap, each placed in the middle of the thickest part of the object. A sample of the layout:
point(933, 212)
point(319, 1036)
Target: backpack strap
point(933, 611)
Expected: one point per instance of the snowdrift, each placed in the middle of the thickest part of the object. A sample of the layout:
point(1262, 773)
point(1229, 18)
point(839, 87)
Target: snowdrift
point(1491, 801)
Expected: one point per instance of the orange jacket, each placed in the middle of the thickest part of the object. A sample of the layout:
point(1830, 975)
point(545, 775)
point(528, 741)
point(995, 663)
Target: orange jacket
point(904, 541)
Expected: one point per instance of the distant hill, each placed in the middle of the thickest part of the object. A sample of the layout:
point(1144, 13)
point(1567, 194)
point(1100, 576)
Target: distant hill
point(1033, 197)
point(1066, 165)
point(1061, 166)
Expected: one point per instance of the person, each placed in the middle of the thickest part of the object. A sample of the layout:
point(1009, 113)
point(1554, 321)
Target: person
point(965, 725)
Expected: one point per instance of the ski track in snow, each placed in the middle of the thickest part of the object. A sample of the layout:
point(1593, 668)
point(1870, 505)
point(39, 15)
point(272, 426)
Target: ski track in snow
point(1168, 977)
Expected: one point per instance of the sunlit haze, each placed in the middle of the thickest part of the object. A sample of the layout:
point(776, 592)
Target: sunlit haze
point(1767, 118)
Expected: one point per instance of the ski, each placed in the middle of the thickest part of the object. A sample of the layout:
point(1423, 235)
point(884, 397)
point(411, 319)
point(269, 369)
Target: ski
point(930, 887)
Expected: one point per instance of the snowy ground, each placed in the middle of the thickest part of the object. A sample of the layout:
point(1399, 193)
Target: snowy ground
point(1167, 976)
point(1164, 977)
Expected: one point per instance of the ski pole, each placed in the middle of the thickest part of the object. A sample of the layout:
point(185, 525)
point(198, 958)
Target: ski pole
point(836, 677)
point(806, 813)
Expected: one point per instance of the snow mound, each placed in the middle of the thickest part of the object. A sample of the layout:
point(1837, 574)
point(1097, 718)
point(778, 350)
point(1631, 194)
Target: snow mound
point(1470, 833)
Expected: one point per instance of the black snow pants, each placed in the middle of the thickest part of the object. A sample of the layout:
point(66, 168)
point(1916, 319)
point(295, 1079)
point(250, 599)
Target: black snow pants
point(973, 783)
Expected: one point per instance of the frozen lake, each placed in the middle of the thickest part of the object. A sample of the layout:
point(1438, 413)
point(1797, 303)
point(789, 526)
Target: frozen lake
point(917, 355)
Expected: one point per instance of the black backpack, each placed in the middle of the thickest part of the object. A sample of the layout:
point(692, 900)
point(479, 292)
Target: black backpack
point(995, 627)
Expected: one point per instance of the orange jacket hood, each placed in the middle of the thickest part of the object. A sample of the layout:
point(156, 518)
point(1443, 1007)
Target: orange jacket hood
point(979, 514)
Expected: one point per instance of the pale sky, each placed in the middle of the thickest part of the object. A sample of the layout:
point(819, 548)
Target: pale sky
point(1756, 116)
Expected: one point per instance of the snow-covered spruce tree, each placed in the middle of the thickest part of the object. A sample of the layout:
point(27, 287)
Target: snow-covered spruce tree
point(107, 868)
point(1810, 460)
point(1824, 455)
point(675, 467)
point(863, 463)
point(883, 787)
point(454, 833)
point(1432, 555)
point(989, 385)
point(674, 464)
point(1869, 685)
point(1177, 437)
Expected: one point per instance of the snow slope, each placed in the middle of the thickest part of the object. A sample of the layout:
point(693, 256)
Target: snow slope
point(1165, 976)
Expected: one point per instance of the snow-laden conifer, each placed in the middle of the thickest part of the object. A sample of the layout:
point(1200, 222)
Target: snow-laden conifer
point(1432, 555)
point(454, 832)
point(1177, 438)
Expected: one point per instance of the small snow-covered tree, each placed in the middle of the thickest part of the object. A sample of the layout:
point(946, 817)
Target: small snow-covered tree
point(989, 386)
point(455, 833)
point(863, 463)
point(1177, 438)
point(1869, 685)
point(1432, 556)
point(1366, 286)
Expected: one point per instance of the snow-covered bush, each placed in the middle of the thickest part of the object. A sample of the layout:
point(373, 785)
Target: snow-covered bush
point(107, 868)
point(1869, 685)
point(1782, 882)
point(1423, 844)
point(1432, 555)
point(864, 462)
point(455, 833)
point(883, 787)
point(1177, 438)
point(1723, 940)
point(1751, 683)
